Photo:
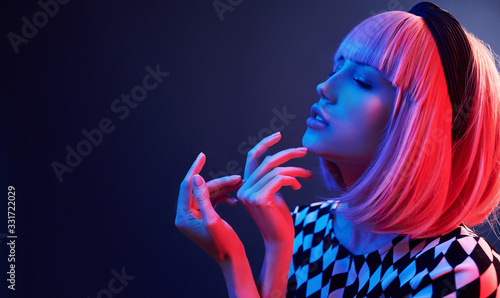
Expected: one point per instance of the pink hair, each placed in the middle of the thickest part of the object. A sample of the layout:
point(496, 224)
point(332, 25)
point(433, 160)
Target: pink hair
point(420, 183)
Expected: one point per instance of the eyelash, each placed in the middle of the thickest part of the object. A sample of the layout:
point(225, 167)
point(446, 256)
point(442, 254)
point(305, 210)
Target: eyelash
point(363, 84)
point(360, 83)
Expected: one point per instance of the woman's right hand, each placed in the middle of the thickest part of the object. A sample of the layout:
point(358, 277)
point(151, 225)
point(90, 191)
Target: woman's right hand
point(197, 219)
point(196, 216)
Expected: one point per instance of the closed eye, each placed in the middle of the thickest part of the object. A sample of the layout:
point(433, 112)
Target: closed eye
point(362, 84)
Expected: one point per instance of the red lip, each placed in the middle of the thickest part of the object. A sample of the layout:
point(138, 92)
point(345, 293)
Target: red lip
point(316, 111)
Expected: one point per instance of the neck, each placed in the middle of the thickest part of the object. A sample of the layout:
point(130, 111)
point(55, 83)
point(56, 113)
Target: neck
point(356, 240)
point(350, 172)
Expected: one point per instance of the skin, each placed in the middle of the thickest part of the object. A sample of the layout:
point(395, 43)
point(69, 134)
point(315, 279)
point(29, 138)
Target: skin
point(198, 220)
point(356, 102)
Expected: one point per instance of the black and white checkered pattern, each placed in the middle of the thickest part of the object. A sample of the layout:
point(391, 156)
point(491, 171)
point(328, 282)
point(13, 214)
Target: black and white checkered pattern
point(459, 263)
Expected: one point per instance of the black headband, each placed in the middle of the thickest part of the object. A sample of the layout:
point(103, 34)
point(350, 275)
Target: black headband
point(457, 60)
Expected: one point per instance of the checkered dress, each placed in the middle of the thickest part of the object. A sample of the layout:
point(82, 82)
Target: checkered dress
point(459, 263)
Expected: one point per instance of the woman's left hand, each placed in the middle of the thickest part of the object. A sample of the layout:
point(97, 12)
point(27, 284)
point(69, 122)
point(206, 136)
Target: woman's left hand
point(259, 193)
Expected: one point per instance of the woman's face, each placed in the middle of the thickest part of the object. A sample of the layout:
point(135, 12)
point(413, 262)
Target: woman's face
point(346, 124)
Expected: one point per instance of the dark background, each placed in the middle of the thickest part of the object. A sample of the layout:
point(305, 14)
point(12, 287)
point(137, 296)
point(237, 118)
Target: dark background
point(116, 208)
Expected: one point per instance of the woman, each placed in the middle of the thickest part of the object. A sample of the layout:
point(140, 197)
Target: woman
point(407, 129)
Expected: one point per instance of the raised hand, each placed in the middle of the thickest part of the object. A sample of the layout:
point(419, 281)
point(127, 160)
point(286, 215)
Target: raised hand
point(259, 194)
point(196, 216)
point(197, 219)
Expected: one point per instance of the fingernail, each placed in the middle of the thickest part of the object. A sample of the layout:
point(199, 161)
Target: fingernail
point(276, 134)
point(235, 177)
point(302, 149)
point(197, 180)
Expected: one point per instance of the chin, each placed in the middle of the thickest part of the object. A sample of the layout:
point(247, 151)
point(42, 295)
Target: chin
point(311, 144)
point(306, 141)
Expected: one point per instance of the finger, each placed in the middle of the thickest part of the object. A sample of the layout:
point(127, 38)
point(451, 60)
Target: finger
point(261, 196)
point(224, 192)
point(272, 161)
point(184, 200)
point(221, 186)
point(277, 183)
point(284, 171)
point(200, 191)
point(232, 201)
point(253, 155)
point(197, 165)
point(224, 199)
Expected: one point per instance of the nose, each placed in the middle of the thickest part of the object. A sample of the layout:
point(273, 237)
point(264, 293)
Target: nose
point(324, 92)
